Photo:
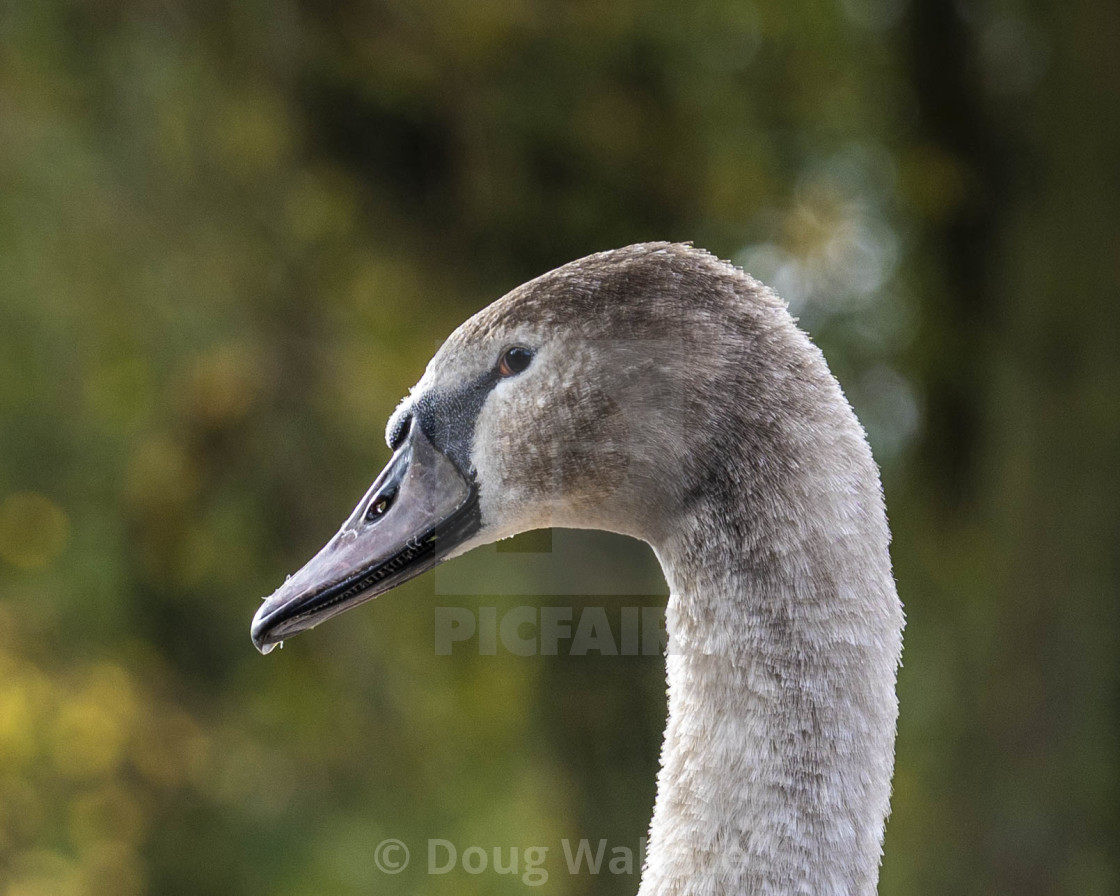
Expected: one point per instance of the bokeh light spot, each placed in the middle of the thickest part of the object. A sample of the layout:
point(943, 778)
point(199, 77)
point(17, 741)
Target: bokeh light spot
point(224, 383)
point(113, 868)
point(33, 530)
point(93, 725)
point(111, 813)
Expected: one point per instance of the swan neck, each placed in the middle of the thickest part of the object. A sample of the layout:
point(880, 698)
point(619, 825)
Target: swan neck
point(784, 641)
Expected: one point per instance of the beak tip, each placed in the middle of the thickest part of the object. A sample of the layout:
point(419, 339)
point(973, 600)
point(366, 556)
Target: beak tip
point(259, 633)
point(264, 645)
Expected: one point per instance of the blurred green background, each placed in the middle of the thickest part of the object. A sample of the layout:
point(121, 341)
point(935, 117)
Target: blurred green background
point(232, 233)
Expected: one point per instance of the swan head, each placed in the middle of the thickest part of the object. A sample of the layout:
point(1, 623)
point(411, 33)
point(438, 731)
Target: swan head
point(576, 400)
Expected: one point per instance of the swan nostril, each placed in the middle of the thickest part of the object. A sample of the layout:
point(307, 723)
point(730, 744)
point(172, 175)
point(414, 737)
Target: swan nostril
point(380, 505)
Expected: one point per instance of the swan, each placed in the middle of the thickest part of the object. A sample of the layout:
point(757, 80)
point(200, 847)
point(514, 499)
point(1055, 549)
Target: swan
point(661, 393)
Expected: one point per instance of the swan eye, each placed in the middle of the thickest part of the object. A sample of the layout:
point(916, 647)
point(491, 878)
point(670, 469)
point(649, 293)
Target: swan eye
point(380, 505)
point(514, 360)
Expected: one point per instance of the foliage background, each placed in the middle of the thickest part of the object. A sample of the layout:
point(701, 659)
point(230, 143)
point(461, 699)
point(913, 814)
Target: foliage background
point(231, 234)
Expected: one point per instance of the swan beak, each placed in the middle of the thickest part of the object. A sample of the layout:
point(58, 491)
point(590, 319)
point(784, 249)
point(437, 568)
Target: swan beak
point(419, 509)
